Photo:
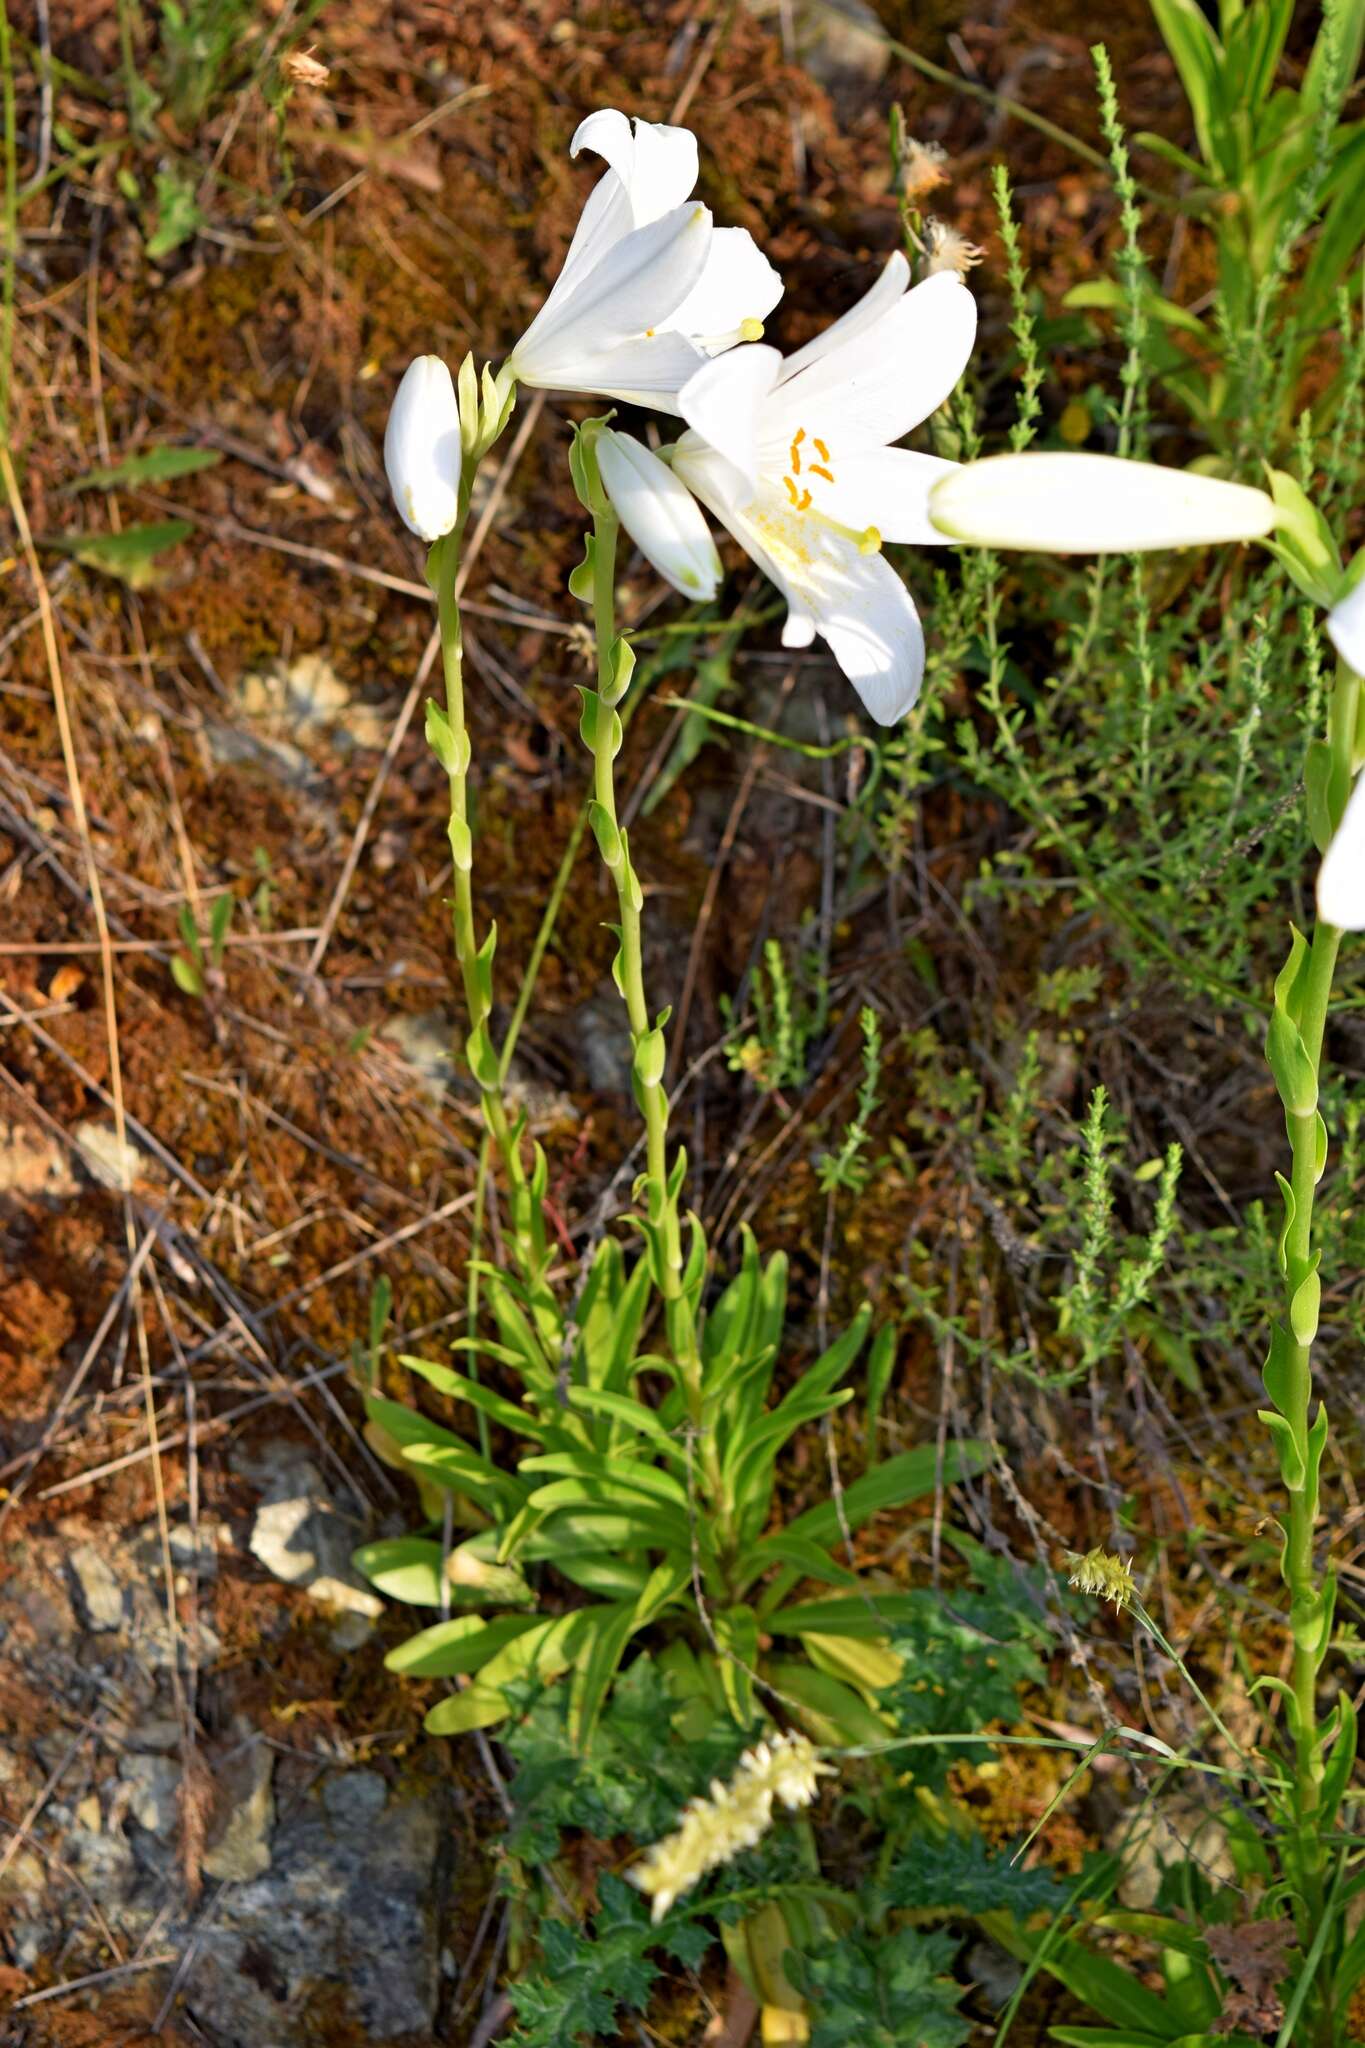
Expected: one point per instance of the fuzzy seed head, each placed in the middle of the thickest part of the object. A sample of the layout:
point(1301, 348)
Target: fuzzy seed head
point(1102, 1575)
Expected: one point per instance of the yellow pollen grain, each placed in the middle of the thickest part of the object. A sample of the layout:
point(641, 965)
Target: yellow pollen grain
point(783, 540)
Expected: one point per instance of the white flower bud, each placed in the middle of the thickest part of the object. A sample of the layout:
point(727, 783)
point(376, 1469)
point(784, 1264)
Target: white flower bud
point(1346, 625)
point(660, 515)
point(422, 449)
point(1341, 878)
point(1093, 505)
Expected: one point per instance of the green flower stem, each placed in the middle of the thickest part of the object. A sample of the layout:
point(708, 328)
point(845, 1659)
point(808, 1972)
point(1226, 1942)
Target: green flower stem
point(603, 730)
point(452, 744)
point(1310, 1607)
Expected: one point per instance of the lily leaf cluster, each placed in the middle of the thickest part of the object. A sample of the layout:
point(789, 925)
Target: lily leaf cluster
point(601, 1493)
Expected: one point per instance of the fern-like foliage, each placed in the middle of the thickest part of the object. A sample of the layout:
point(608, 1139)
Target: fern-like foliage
point(957, 1874)
point(888, 1991)
point(587, 1976)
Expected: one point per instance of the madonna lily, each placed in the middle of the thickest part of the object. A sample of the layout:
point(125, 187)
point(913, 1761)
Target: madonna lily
point(649, 288)
point(1341, 878)
point(794, 456)
point(1075, 504)
point(422, 449)
point(659, 513)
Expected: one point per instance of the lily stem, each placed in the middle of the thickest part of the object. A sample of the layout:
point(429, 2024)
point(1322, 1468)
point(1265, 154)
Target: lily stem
point(476, 966)
point(604, 730)
point(1310, 1599)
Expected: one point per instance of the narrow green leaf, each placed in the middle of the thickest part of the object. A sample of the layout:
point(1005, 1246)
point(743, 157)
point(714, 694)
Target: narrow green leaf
point(131, 557)
point(406, 1568)
point(152, 466)
point(450, 1649)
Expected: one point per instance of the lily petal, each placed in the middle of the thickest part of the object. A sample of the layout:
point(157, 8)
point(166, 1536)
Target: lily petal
point(660, 515)
point(1346, 625)
point(889, 376)
point(724, 401)
point(1093, 505)
point(855, 601)
point(422, 452)
point(892, 285)
point(734, 294)
point(1341, 878)
point(656, 164)
point(875, 635)
point(888, 488)
point(632, 292)
point(605, 219)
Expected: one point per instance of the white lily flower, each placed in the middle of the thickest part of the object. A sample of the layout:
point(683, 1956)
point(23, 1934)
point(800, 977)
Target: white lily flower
point(422, 449)
point(660, 514)
point(795, 458)
point(1341, 878)
point(1346, 625)
point(649, 287)
point(1076, 504)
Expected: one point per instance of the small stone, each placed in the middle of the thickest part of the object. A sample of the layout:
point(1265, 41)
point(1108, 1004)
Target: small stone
point(99, 1589)
point(600, 1044)
point(24, 1877)
point(31, 1163)
point(242, 1848)
point(350, 1632)
point(158, 1732)
point(425, 1040)
point(154, 1792)
point(1181, 1829)
point(88, 1814)
point(111, 1163)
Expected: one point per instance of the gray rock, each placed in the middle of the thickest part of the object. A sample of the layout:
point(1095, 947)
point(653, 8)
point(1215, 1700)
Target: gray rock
point(153, 1784)
point(301, 1536)
point(1181, 1829)
point(104, 1864)
point(600, 1043)
point(241, 1848)
point(99, 1590)
point(342, 1930)
point(425, 1039)
point(154, 1732)
point(154, 1640)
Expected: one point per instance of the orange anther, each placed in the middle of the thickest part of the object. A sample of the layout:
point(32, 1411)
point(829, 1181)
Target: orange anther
point(799, 437)
point(804, 501)
point(796, 459)
point(822, 451)
point(791, 489)
point(816, 470)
